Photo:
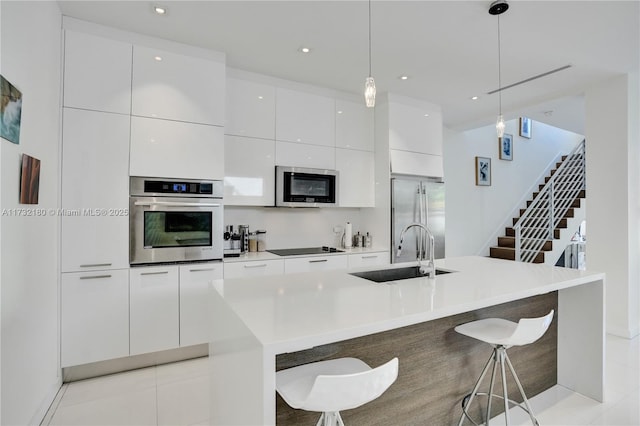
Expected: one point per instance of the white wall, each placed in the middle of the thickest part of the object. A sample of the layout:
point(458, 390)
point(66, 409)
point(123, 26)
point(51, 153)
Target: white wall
point(613, 217)
point(296, 227)
point(475, 214)
point(30, 46)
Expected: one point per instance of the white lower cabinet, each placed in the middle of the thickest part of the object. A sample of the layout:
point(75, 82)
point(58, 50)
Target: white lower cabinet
point(368, 259)
point(154, 312)
point(94, 316)
point(315, 263)
point(194, 301)
point(253, 268)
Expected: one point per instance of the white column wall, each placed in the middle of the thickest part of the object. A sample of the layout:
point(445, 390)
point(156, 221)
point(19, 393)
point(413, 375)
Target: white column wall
point(612, 197)
point(475, 213)
point(31, 60)
point(634, 198)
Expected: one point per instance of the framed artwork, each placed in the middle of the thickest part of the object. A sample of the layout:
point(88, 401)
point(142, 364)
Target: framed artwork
point(29, 180)
point(10, 111)
point(505, 146)
point(483, 171)
point(525, 127)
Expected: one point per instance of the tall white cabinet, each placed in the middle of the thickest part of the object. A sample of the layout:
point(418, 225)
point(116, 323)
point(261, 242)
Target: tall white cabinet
point(95, 199)
point(95, 190)
point(130, 109)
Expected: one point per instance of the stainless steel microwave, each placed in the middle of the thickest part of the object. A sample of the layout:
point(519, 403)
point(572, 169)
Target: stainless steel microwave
point(306, 187)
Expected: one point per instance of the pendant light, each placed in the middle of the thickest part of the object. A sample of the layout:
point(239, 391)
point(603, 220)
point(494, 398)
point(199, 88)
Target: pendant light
point(370, 84)
point(497, 8)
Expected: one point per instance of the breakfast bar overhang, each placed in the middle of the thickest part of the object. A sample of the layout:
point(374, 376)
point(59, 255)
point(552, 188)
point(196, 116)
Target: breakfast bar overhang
point(254, 320)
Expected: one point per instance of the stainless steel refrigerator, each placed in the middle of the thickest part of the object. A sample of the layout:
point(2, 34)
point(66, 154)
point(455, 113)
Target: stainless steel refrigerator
point(418, 200)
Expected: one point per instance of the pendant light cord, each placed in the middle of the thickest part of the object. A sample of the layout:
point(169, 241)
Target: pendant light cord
point(369, 38)
point(499, 71)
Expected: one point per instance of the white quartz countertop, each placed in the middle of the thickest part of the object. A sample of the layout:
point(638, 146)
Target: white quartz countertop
point(292, 312)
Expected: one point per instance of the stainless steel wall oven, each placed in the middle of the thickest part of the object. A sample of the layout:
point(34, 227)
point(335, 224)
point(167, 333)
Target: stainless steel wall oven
point(175, 220)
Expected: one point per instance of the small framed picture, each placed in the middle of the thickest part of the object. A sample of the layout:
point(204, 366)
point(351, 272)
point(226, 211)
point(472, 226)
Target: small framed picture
point(29, 180)
point(483, 171)
point(505, 144)
point(525, 127)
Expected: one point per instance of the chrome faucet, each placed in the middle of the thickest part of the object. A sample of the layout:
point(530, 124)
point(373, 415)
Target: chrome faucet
point(430, 269)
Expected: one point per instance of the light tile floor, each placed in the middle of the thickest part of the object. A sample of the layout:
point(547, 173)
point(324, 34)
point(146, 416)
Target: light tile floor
point(178, 393)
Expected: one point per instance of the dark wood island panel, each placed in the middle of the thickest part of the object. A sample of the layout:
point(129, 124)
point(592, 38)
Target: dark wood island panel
point(438, 367)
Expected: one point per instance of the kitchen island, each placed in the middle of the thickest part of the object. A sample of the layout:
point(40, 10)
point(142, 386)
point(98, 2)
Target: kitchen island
point(254, 321)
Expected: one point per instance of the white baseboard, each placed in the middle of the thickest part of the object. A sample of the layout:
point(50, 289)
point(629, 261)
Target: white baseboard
point(626, 333)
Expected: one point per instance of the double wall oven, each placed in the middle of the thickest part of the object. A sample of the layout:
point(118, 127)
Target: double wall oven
point(175, 220)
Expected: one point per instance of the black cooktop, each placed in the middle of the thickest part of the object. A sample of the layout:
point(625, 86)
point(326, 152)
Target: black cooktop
point(306, 250)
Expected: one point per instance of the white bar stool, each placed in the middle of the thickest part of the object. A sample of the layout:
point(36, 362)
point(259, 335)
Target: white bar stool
point(502, 334)
point(334, 385)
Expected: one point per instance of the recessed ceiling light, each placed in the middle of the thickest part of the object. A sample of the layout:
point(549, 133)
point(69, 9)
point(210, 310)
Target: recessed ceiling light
point(404, 77)
point(426, 115)
point(157, 58)
point(160, 10)
point(474, 98)
point(304, 50)
point(339, 112)
point(260, 97)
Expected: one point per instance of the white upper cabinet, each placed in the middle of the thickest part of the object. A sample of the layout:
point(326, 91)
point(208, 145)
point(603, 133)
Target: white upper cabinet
point(251, 109)
point(95, 152)
point(357, 178)
point(177, 87)
point(354, 125)
point(97, 73)
point(249, 171)
point(304, 118)
point(413, 163)
point(301, 155)
point(176, 149)
point(416, 129)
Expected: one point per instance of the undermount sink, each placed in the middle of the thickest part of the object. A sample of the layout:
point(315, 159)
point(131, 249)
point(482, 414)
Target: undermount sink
point(384, 275)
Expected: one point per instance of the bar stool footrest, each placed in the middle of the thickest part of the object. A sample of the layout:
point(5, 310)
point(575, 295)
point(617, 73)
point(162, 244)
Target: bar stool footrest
point(493, 395)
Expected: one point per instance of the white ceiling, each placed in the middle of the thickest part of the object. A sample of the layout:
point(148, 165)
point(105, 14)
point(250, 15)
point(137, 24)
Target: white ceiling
point(447, 48)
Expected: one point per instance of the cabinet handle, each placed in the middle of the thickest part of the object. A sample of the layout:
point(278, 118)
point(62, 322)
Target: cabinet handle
point(94, 277)
point(202, 270)
point(318, 261)
point(93, 265)
point(174, 204)
point(369, 257)
point(154, 273)
point(262, 265)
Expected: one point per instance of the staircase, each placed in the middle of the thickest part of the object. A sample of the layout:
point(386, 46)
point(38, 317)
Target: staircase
point(543, 229)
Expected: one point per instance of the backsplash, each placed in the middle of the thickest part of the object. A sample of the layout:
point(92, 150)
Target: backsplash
point(295, 227)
